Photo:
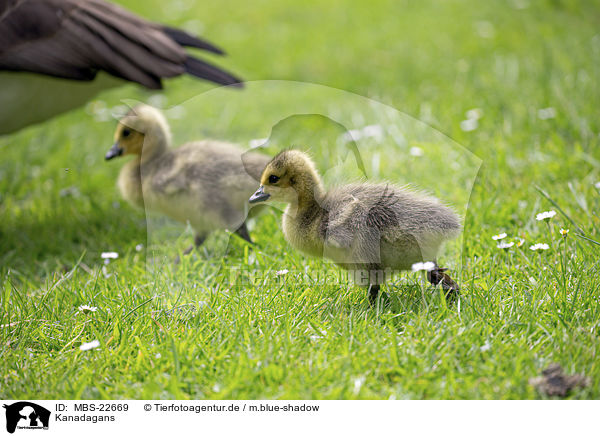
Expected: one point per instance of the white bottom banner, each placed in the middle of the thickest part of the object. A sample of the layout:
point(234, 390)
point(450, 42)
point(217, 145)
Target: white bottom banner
point(268, 417)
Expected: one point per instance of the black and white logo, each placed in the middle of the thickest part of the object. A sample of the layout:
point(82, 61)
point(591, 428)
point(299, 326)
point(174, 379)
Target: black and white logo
point(26, 415)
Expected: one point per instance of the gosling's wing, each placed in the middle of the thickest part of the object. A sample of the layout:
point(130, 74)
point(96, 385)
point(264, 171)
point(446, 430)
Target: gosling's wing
point(343, 215)
point(74, 39)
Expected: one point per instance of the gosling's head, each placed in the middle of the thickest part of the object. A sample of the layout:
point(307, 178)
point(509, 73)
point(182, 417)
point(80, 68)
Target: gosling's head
point(143, 131)
point(290, 177)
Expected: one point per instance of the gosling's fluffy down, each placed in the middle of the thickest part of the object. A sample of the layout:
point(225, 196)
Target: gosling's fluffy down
point(205, 183)
point(366, 228)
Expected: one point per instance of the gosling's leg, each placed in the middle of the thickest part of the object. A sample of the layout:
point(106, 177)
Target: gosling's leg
point(437, 276)
point(373, 293)
point(242, 231)
point(198, 241)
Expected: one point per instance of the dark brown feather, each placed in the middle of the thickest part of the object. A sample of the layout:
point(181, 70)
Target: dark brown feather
point(75, 39)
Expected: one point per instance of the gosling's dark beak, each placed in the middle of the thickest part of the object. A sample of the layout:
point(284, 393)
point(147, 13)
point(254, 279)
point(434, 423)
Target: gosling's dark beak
point(259, 195)
point(114, 151)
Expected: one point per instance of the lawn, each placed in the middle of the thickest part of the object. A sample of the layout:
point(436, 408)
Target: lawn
point(496, 105)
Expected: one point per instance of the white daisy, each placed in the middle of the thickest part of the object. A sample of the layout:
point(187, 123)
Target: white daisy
point(537, 247)
point(86, 346)
point(422, 266)
point(469, 124)
point(505, 245)
point(564, 232)
point(499, 236)
point(520, 242)
point(546, 113)
point(474, 114)
point(258, 142)
point(545, 215)
point(416, 151)
point(87, 309)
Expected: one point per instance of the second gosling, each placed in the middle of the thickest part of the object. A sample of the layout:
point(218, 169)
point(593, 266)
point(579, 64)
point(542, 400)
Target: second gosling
point(205, 183)
point(366, 228)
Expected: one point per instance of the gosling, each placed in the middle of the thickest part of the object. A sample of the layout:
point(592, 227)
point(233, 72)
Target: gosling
point(205, 183)
point(365, 228)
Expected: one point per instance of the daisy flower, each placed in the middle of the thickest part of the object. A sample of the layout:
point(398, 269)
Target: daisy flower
point(520, 242)
point(469, 124)
point(416, 151)
point(87, 309)
point(499, 236)
point(422, 266)
point(546, 113)
point(564, 232)
point(86, 346)
point(545, 215)
point(505, 245)
point(536, 247)
point(108, 255)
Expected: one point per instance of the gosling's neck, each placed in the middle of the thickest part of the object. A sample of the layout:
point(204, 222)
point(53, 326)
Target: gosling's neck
point(309, 196)
point(156, 143)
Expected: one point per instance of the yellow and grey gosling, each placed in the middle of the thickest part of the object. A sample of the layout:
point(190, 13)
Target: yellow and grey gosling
point(205, 183)
point(366, 228)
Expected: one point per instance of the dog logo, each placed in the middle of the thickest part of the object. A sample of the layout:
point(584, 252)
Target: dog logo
point(26, 415)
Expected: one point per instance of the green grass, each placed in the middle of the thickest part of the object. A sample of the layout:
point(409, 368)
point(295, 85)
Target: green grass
point(215, 327)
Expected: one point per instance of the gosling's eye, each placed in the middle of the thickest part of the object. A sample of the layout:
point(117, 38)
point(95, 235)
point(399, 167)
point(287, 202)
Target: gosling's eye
point(125, 133)
point(273, 179)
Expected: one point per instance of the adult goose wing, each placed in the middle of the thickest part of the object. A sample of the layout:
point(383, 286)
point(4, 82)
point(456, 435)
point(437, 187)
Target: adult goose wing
point(74, 39)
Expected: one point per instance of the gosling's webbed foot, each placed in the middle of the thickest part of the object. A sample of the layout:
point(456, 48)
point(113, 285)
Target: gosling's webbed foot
point(437, 276)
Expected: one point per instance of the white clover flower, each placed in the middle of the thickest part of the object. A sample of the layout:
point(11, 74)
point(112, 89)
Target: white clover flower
point(499, 236)
point(546, 113)
point(281, 272)
point(505, 245)
point(536, 247)
point(597, 185)
point(139, 247)
point(87, 309)
point(545, 215)
point(422, 266)
point(86, 346)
